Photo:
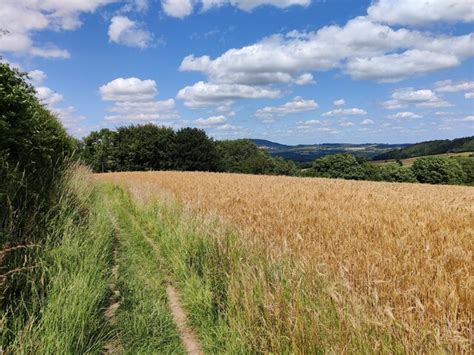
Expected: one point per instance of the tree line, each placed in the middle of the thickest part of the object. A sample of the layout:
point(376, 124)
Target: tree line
point(441, 146)
point(458, 170)
point(150, 147)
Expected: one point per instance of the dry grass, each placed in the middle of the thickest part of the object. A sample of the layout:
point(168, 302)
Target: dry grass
point(397, 257)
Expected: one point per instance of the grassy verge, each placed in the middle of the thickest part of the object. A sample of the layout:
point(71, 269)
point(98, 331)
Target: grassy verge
point(74, 268)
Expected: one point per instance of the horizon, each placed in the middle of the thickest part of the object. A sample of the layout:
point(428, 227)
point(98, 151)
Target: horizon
point(296, 72)
point(405, 143)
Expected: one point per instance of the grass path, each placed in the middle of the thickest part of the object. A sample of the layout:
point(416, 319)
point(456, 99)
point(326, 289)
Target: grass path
point(149, 317)
point(187, 335)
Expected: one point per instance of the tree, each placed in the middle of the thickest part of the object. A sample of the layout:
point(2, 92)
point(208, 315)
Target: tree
point(284, 167)
point(343, 166)
point(434, 170)
point(396, 173)
point(467, 164)
point(258, 164)
point(195, 151)
point(233, 153)
point(144, 147)
point(243, 156)
point(98, 150)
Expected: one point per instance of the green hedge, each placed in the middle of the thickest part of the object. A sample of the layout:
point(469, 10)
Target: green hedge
point(33, 152)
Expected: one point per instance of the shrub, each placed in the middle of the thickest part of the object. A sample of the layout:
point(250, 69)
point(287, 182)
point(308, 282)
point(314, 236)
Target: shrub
point(396, 173)
point(33, 152)
point(467, 164)
point(344, 166)
point(434, 170)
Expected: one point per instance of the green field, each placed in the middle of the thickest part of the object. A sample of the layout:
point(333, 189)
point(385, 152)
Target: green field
point(409, 161)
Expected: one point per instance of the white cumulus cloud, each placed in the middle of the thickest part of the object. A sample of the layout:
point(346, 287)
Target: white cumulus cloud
point(21, 19)
point(134, 100)
point(419, 12)
point(452, 86)
point(396, 67)
point(177, 8)
point(362, 48)
point(298, 104)
point(129, 89)
point(212, 121)
point(204, 94)
point(124, 31)
point(340, 102)
point(404, 97)
point(47, 96)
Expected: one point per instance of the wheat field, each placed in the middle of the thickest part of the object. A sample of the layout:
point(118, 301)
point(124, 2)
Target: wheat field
point(395, 259)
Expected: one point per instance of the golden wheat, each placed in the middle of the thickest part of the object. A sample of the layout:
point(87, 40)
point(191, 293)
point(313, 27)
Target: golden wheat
point(399, 256)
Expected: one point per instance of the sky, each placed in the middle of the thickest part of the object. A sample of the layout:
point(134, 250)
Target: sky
point(291, 71)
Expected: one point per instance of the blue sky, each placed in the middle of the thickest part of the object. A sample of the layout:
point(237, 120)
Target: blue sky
point(292, 71)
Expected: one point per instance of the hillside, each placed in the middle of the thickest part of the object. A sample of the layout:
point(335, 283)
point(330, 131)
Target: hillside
point(409, 161)
point(309, 152)
point(458, 145)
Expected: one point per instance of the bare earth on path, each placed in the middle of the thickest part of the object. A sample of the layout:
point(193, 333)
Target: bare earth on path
point(187, 335)
point(114, 303)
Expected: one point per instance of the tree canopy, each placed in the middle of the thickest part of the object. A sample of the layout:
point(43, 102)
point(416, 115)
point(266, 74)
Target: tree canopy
point(434, 170)
point(150, 147)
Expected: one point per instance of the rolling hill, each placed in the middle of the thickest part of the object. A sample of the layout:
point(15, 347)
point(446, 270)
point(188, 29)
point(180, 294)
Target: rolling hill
point(465, 144)
point(305, 153)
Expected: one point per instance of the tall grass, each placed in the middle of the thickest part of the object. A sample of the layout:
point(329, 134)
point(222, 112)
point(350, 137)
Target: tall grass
point(314, 264)
point(69, 287)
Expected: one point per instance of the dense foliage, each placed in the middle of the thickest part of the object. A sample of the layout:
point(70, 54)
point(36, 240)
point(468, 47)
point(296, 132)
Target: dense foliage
point(432, 170)
point(435, 170)
point(344, 166)
point(396, 173)
point(465, 144)
point(467, 164)
point(33, 152)
point(149, 147)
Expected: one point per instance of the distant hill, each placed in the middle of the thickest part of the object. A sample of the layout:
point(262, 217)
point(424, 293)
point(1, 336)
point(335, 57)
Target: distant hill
point(263, 143)
point(444, 146)
point(308, 152)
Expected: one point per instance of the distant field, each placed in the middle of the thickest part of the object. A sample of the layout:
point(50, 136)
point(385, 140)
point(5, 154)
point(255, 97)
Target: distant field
point(410, 161)
point(325, 265)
